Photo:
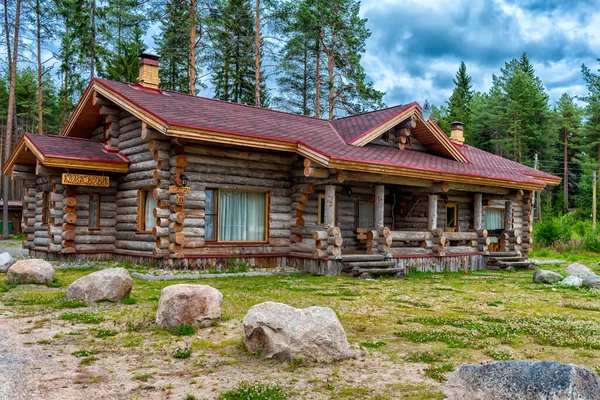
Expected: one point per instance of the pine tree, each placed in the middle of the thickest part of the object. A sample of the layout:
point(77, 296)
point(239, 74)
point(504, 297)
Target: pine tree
point(568, 120)
point(173, 46)
point(591, 129)
point(459, 104)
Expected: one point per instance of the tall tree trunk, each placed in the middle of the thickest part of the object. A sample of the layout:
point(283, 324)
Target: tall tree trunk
point(566, 171)
point(330, 71)
point(305, 80)
point(10, 119)
point(318, 75)
point(192, 66)
point(93, 43)
point(257, 56)
point(39, 66)
point(64, 111)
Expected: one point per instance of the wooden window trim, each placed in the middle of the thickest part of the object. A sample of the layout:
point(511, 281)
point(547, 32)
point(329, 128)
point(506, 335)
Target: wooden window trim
point(215, 214)
point(320, 207)
point(97, 227)
point(216, 241)
point(141, 223)
point(456, 227)
point(358, 203)
point(45, 208)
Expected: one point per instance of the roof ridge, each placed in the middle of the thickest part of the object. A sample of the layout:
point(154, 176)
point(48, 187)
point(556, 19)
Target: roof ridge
point(30, 134)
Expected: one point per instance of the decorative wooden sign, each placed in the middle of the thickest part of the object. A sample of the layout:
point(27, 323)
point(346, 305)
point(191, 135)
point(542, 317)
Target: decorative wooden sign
point(180, 199)
point(85, 180)
point(177, 189)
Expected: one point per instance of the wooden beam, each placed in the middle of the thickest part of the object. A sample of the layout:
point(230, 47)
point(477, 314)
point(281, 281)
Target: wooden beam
point(432, 212)
point(329, 206)
point(508, 217)
point(387, 179)
point(379, 206)
point(477, 211)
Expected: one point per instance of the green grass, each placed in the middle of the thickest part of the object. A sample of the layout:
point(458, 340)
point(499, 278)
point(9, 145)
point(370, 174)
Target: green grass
point(84, 353)
point(438, 372)
point(255, 391)
point(104, 333)
point(182, 353)
point(83, 317)
point(184, 330)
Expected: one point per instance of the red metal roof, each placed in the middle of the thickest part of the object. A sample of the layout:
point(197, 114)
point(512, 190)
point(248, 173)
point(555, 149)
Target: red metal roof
point(75, 149)
point(14, 204)
point(330, 138)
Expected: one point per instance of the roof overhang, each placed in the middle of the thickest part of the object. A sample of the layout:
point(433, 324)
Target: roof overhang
point(25, 152)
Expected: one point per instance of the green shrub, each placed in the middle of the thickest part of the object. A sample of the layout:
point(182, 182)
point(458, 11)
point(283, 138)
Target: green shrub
point(183, 353)
point(184, 330)
point(129, 301)
point(255, 391)
point(552, 229)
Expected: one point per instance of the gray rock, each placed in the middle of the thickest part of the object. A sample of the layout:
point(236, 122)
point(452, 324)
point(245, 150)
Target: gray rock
point(30, 271)
point(580, 270)
point(592, 282)
point(279, 331)
point(545, 276)
point(112, 284)
point(6, 260)
point(572, 280)
point(194, 305)
point(523, 380)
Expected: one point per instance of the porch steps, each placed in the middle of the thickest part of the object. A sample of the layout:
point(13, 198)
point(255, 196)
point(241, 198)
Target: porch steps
point(507, 260)
point(369, 265)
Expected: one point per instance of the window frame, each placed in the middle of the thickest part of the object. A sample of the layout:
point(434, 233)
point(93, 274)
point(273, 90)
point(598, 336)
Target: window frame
point(97, 227)
point(358, 203)
point(320, 207)
point(141, 225)
point(456, 227)
point(45, 208)
point(217, 240)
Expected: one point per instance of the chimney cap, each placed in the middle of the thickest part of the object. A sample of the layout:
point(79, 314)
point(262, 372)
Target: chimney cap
point(149, 56)
point(457, 124)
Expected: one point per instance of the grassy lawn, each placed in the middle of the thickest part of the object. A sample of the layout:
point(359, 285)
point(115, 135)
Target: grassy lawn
point(406, 335)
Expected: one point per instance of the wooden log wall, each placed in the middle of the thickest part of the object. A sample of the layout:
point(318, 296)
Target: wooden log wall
point(88, 240)
point(217, 167)
point(29, 203)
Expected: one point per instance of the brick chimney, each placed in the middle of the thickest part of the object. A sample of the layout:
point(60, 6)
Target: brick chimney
point(148, 76)
point(457, 132)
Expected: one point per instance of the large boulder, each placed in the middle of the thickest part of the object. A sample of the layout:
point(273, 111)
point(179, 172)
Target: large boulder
point(523, 380)
point(279, 331)
point(112, 284)
point(545, 276)
point(6, 260)
point(30, 271)
point(572, 280)
point(580, 270)
point(194, 305)
point(592, 282)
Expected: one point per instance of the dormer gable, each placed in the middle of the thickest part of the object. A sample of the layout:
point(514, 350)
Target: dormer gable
point(401, 126)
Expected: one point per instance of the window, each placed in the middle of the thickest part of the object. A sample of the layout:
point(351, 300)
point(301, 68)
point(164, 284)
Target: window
point(146, 220)
point(235, 216)
point(494, 219)
point(366, 214)
point(45, 208)
point(451, 217)
point(94, 212)
point(321, 210)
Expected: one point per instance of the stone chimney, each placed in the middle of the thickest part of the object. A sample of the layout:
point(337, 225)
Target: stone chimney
point(457, 132)
point(149, 71)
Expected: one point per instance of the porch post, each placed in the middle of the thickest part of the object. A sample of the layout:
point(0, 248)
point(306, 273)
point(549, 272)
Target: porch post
point(508, 215)
point(379, 206)
point(329, 206)
point(432, 212)
point(478, 211)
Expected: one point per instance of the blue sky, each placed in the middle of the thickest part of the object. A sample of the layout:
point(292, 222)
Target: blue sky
point(417, 45)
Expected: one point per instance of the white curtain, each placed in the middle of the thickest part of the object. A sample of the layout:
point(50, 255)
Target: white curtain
point(149, 206)
point(242, 216)
point(93, 214)
point(494, 219)
point(366, 215)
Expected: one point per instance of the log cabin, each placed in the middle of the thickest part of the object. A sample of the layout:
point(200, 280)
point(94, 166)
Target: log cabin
point(149, 175)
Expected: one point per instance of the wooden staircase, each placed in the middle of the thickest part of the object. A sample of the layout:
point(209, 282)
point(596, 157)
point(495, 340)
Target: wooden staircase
point(369, 265)
point(507, 261)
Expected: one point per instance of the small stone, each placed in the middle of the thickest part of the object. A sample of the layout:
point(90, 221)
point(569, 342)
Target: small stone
point(572, 280)
point(194, 305)
point(523, 380)
point(580, 270)
point(30, 271)
point(365, 275)
point(113, 284)
point(312, 334)
point(6, 260)
point(592, 282)
point(545, 276)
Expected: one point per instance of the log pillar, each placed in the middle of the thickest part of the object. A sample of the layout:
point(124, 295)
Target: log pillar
point(477, 211)
point(329, 206)
point(508, 215)
point(379, 206)
point(432, 212)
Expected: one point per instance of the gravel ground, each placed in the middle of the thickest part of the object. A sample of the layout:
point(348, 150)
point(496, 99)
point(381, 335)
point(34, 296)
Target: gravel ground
point(14, 383)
